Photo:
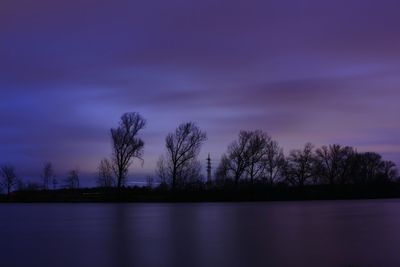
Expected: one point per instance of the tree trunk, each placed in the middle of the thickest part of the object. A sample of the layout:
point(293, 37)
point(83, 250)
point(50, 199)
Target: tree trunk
point(174, 178)
point(119, 182)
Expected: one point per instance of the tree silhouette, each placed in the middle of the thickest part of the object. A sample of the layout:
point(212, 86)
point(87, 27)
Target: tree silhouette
point(254, 156)
point(370, 168)
point(9, 177)
point(163, 171)
point(299, 167)
point(105, 177)
point(236, 161)
point(72, 180)
point(333, 163)
point(345, 165)
point(180, 162)
point(223, 170)
point(126, 144)
point(274, 161)
point(389, 170)
point(47, 174)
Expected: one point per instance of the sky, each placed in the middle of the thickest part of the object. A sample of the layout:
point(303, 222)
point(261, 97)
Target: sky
point(303, 71)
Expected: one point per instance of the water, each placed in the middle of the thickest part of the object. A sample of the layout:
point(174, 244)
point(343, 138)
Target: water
point(320, 233)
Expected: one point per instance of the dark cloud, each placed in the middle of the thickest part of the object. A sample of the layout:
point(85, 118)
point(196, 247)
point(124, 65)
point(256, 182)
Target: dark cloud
point(321, 71)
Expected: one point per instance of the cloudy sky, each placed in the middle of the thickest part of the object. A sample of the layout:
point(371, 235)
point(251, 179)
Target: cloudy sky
point(309, 70)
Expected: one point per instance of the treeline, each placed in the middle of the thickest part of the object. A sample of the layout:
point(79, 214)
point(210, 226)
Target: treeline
point(253, 160)
point(256, 157)
point(10, 181)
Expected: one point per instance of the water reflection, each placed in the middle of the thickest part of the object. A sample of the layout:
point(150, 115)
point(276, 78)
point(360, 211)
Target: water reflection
point(330, 233)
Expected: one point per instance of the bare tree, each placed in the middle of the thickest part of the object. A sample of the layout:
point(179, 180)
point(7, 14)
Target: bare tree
point(370, 168)
point(190, 173)
point(333, 163)
point(255, 154)
point(47, 175)
point(389, 170)
point(105, 177)
point(346, 162)
point(9, 177)
point(163, 170)
point(72, 180)
point(183, 146)
point(126, 144)
point(223, 168)
point(273, 160)
point(300, 166)
point(237, 156)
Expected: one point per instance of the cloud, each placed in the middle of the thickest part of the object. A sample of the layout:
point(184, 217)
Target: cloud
point(302, 70)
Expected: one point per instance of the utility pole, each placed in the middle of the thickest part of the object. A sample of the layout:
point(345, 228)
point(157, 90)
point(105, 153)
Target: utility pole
point(208, 169)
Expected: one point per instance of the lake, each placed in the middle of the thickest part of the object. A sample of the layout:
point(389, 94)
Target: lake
point(314, 233)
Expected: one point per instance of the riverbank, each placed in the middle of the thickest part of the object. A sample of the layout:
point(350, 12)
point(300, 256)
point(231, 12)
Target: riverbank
point(244, 193)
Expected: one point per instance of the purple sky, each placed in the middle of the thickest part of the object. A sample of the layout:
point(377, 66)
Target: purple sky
point(310, 70)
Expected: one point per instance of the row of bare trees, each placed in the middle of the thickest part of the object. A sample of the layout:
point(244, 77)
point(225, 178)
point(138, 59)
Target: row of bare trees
point(255, 156)
point(177, 167)
point(111, 172)
point(9, 180)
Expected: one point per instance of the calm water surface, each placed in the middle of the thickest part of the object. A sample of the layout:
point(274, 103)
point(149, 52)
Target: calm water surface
point(323, 233)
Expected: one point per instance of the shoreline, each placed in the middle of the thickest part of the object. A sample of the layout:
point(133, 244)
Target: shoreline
point(245, 194)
